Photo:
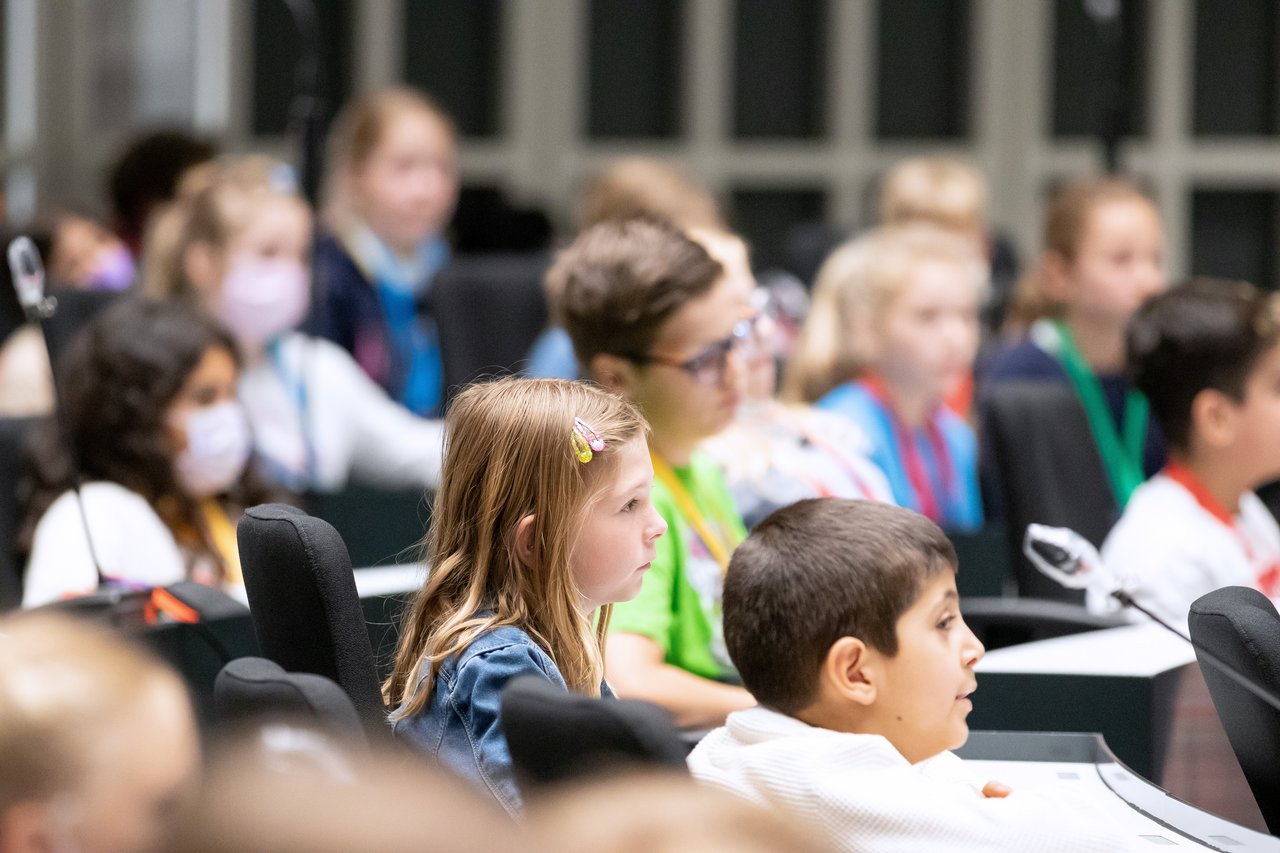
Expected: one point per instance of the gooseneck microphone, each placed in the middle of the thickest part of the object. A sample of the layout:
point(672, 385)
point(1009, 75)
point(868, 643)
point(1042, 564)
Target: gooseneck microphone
point(1072, 561)
point(27, 271)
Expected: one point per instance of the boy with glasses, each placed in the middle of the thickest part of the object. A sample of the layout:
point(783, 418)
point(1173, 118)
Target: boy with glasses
point(655, 318)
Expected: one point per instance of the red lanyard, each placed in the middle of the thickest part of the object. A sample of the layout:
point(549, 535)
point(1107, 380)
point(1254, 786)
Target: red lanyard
point(1268, 577)
point(927, 494)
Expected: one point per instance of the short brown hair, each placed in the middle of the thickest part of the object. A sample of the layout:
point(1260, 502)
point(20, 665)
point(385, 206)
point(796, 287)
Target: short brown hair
point(1204, 334)
point(620, 281)
point(814, 572)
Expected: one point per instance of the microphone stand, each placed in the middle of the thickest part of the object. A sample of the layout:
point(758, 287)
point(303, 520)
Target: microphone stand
point(1204, 654)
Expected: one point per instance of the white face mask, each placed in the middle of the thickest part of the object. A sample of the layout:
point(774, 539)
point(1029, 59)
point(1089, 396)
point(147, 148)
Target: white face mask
point(218, 447)
point(262, 297)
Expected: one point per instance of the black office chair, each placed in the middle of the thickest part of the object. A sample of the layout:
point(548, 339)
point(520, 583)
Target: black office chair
point(555, 735)
point(1241, 626)
point(252, 691)
point(304, 604)
point(1040, 465)
point(489, 310)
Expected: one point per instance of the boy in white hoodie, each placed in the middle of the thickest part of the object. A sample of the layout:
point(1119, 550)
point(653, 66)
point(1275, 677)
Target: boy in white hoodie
point(843, 620)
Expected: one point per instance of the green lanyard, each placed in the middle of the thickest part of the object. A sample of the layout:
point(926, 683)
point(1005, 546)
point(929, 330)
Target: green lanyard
point(1121, 459)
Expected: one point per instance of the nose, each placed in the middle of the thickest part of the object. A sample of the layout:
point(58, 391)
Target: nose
point(657, 527)
point(972, 648)
point(734, 376)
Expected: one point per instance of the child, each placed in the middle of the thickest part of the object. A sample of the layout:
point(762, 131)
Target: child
point(392, 187)
point(85, 255)
point(655, 318)
point(1207, 356)
point(147, 400)
point(843, 619)
point(542, 521)
point(894, 326)
point(99, 740)
point(239, 248)
point(774, 453)
point(1103, 257)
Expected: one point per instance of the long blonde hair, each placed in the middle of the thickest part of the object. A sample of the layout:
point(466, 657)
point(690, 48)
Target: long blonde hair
point(508, 455)
point(855, 285)
point(211, 207)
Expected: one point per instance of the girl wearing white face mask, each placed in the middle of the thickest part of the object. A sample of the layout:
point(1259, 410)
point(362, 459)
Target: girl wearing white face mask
point(238, 247)
point(161, 444)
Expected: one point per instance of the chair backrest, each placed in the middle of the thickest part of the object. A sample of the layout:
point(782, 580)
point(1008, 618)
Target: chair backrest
point(1041, 463)
point(489, 310)
point(13, 436)
point(303, 601)
point(1241, 626)
point(555, 735)
point(253, 690)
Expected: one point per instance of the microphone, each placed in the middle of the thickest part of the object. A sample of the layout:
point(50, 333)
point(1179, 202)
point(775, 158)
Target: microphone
point(1067, 558)
point(27, 271)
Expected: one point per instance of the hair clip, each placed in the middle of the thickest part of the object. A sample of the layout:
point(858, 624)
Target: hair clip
point(585, 440)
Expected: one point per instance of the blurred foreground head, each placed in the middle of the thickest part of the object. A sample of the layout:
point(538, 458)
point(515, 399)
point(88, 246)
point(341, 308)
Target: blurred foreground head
point(97, 738)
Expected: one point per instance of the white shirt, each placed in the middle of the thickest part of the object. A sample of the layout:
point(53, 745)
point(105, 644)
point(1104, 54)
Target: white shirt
point(867, 797)
point(353, 429)
point(1168, 550)
point(131, 542)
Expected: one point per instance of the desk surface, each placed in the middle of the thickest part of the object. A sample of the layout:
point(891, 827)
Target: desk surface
point(1137, 808)
point(1131, 650)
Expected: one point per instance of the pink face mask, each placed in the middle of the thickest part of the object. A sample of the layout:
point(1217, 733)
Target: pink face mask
point(263, 297)
point(113, 270)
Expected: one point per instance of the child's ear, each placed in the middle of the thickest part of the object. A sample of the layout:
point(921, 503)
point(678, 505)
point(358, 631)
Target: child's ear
point(524, 540)
point(849, 671)
point(1055, 277)
point(1213, 418)
point(616, 374)
point(201, 268)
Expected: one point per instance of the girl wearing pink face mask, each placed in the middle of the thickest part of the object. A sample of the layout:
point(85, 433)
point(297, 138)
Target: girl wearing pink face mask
point(238, 247)
point(153, 429)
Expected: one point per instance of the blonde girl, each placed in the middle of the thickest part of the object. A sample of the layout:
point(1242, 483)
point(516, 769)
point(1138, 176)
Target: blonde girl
point(543, 520)
point(893, 327)
point(238, 246)
point(392, 187)
point(1104, 256)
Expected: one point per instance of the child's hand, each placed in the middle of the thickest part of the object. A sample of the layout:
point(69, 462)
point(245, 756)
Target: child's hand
point(995, 790)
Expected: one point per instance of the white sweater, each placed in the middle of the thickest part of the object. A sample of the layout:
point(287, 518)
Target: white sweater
point(867, 797)
point(1169, 550)
point(131, 542)
point(355, 430)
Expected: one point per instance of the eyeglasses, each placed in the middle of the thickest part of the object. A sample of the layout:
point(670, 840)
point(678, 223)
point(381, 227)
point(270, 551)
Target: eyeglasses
point(707, 367)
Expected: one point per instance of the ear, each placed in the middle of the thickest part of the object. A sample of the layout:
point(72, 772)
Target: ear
point(26, 827)
point(524, 540)
point(849, 671)
point(1213, 418)
point(1055, 276)
point(616, 374)
point(201, 265)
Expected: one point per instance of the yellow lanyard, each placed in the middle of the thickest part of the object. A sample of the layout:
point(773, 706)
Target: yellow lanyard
point(223, 533)
point(717, 538)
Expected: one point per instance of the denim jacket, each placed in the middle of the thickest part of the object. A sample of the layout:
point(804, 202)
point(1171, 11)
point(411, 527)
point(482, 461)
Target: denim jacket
point(460, 726)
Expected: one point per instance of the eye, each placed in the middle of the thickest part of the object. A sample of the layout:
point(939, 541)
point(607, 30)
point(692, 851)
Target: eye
point(946, 622)
point(631, 505)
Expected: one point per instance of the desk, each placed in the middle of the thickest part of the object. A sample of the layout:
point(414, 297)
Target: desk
point(1120, 682)
point(1137, 808)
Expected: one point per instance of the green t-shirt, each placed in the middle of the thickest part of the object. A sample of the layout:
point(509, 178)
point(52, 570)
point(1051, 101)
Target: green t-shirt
point(679, 602)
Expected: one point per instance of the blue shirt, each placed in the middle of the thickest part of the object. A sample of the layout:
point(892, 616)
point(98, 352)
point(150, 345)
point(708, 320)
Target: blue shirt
point(460, 726)
point(954, 476)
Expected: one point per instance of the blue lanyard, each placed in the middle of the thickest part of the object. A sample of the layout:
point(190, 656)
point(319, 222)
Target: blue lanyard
point(302, 401)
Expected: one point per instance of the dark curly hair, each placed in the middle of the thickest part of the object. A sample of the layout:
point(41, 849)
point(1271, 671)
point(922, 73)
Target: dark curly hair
point(116, 381)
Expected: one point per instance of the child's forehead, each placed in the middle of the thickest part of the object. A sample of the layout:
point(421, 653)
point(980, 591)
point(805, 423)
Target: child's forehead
point(933, 593)
point(705, 319)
